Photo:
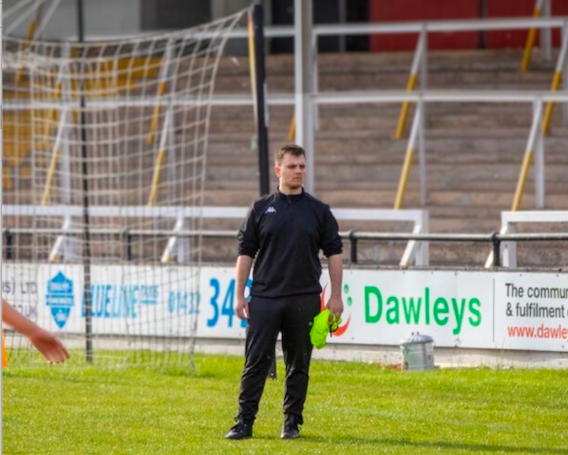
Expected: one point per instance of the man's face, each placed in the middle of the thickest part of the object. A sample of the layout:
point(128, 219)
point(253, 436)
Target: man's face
point(291, 171)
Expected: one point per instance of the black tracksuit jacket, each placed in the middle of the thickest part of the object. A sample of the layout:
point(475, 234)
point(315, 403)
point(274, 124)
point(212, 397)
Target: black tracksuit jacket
point(285, 234)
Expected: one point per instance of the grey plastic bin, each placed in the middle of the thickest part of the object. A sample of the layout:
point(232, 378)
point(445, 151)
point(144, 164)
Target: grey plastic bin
point(417, 353)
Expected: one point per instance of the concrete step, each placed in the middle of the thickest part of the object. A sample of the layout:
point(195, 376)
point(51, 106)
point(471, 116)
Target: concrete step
point(386, 151)
point(478, 59)
point(278, 137)
point(377, 81)
point(377, 110)
point(438, 176)
point(385, 120)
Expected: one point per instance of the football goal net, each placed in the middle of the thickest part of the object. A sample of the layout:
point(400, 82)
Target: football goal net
point(105, 147)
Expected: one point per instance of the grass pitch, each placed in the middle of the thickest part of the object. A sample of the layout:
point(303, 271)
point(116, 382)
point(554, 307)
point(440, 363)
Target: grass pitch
point(352, 408)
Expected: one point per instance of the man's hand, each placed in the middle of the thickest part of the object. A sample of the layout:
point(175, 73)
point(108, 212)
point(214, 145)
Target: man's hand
point(49, 346)
point(335, 306)
point(242, 307)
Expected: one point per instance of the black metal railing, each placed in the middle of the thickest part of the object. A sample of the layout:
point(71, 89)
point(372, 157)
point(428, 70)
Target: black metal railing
point(353, 236)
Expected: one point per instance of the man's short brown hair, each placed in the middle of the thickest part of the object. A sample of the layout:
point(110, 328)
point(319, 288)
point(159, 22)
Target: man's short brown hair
point(292, 149)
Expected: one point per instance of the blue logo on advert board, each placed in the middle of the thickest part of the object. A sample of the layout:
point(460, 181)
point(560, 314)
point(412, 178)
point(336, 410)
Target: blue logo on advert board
point(60, 298)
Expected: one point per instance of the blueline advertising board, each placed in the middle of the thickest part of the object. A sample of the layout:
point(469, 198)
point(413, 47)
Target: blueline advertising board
point(468, 309)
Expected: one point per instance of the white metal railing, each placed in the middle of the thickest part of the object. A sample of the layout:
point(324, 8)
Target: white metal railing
point(321, 98)
point(366, 28)
point(508, 219)
point(415, 252)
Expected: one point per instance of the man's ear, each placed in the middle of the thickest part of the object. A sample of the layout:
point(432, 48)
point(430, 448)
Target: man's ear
point(277, 171)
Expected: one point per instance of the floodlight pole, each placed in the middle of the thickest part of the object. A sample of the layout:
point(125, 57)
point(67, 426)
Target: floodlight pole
point(85, 175)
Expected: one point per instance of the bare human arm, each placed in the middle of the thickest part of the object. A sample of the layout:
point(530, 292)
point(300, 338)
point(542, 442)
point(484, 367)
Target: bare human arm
point(335, 303)
point(244, 264)
point(49, 346)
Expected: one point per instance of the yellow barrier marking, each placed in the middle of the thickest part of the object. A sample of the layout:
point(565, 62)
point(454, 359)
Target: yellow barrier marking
point(156, 114)
point(292, 129)
point(408, 159)
point(50, 176)
point(252, 59)
point(157, 177)
point(6, 178)
point(522, 180)
point(30, 36)
point(531, 37)
point(404, 110)
point(550, 105)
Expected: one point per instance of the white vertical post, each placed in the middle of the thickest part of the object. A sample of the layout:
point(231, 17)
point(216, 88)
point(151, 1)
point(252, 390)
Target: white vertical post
point(539, 158)
point(177, 247)
point(173, 154)
point(546, 33)
point(316, 83)
point(422, 153)
point(66, 166)
point(423, 254)
point(416, 251)
point(508, 249)
point(424, 70)
point(166, 129)
point(64, 78)
point(303, 68)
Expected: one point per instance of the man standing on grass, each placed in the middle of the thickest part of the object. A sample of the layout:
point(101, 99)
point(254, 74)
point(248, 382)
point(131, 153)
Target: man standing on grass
point(284, 231)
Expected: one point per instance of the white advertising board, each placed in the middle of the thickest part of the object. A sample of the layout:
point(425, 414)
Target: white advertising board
point(483, 309)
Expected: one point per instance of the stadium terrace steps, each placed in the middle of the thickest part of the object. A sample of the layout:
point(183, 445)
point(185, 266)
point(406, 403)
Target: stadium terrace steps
point(474, 151)
point(332, 82)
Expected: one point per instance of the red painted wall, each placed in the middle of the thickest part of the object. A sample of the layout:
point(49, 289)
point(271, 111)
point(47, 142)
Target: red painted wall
point(418, 10)
point(519, 8)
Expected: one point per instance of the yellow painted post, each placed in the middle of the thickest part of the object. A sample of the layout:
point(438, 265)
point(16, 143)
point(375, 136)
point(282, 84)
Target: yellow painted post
point(292, 129)
point(50, 176)
point(157, 177)
point(530, 42)
point(550, 105)
point(155, 116)
point(404, 110)
point(52, 114)
point(527, 160)
point(408, 159)
point(6, 178)
point(252, 59)
point(29, 38)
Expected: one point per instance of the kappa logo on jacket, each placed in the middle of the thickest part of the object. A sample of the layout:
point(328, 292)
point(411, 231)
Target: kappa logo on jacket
point(270, 210)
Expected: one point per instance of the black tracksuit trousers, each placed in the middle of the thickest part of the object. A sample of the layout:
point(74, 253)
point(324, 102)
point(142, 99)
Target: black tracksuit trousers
point(293, 317)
